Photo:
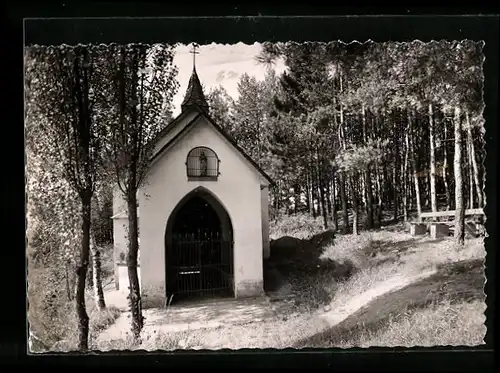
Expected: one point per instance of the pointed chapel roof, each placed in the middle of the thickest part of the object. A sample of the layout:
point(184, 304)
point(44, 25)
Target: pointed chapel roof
point(194, 94)
point(191, 123)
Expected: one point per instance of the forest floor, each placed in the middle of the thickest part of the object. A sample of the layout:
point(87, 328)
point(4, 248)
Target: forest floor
point(380, 288)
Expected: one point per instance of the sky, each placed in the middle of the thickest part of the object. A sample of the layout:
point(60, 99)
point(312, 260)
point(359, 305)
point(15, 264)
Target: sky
point(218, 64)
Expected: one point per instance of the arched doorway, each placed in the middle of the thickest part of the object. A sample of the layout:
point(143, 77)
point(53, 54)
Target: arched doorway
point(199, 248)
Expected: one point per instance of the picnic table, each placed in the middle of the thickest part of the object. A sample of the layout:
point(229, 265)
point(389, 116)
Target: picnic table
point(440, 222)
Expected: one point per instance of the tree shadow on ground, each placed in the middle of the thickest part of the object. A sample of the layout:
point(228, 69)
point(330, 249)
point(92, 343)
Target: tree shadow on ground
point(380, 252)
point(285, 248)
point(458, 282)
point(381, 247)
point(293, 255)
point(297, 266)
point(296, 262)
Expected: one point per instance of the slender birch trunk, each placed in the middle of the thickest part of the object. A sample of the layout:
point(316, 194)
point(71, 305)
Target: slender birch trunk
point(475, 167)
point(97, 275)
point(334, 205)
point(405, 177)
point(321, 192)
point(367, 181)
point(470, 173)
point(445, 169)
point(432, 160)
point(459, 186)
point(343, 177)
point(81, 273)
point(133, 248)
point(380, 195)
point(414, 166)
point(354, 205)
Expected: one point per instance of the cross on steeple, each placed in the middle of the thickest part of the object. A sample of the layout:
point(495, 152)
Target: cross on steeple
point(194, 52)
point(194, 93)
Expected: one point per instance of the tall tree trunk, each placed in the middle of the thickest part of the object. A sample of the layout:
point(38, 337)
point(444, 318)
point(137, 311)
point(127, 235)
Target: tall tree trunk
point(343, 176)
point(414, 166)
point(470, 173)
point(328, 196)
point(322, 192)
point(405, 177)
point(313, 206)
point(445, 168)
point(318, 194)
point(334, 205)
point(133, 248)
point(354, 206)
point(81, 273)
point(387, 187)
point(432, 160)
point(89, 282)
point(410, 189)
point(369, 199)
point(380, 196)
point(296, 198)
point(367, 177)
point(343, 199)
point(362, 191)
point(475, 167)
point(97, 275)
point(395, 192)
point(483, 194)
point(459, 185)
point(313, 181)
point(309, 194)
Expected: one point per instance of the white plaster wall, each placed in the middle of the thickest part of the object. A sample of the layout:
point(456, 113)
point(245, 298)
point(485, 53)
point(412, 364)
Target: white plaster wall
point(238, 188)
point(119, 243)
point(120, 229)
point(123, 276)
point(119, 204)
point(264, 201)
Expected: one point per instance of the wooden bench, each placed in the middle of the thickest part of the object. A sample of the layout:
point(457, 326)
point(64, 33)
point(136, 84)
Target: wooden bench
point(434, 221)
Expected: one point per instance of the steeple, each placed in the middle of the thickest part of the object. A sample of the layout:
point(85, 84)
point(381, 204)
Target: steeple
point(194, 92)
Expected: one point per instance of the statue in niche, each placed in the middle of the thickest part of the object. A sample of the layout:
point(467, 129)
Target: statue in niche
point(203, 164)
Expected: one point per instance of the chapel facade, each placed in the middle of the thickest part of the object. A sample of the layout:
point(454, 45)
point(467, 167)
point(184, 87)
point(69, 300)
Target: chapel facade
point(203, 212)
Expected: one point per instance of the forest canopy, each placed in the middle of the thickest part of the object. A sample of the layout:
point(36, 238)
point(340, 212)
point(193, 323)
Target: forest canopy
point(363, 126)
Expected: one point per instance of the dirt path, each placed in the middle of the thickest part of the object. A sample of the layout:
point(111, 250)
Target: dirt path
point(280, 321)
point(352, 305)
point(460, 281)
point(206, 315)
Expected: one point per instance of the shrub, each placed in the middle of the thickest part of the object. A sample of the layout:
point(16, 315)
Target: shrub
point(349, 248)
point(49, 311)
point(300, 226)
point(51, 315)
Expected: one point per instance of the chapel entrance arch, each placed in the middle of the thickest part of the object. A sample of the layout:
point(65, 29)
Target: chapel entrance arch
point(199, 248)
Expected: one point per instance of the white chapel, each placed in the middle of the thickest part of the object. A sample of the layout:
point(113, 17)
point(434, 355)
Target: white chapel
point(203, 212)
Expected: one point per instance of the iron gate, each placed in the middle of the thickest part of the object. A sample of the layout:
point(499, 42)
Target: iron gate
point(200, 265)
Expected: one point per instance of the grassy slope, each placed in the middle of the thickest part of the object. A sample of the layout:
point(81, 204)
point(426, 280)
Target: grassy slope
point(456, 288)
point(446, 308)
point(433, 305)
